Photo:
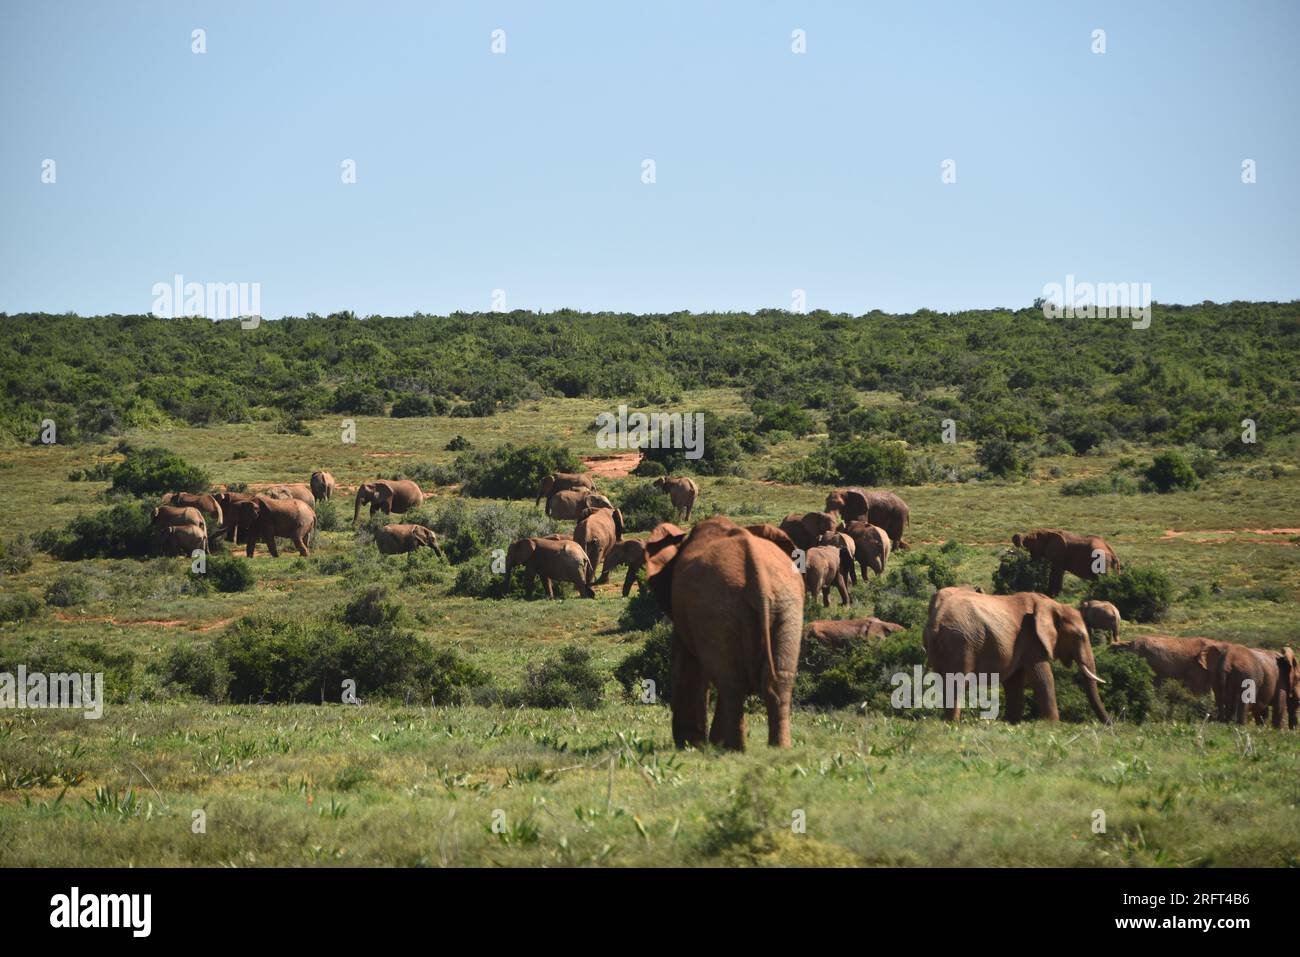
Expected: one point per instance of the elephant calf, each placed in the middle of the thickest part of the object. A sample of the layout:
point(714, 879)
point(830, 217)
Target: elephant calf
point(181, 540)
point(823, 568)
point(165, 516)
point(840, 634)
point(552, 560)
point(397, 539)
point(872, 547)
point(682, 492)
point(1192, 661)
point(323, 486)
point(266, 518)
point(571, 503)
point(1103, 616)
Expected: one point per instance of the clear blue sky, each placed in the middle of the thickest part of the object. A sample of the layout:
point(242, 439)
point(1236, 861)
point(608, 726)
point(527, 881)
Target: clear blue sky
point(522, 171)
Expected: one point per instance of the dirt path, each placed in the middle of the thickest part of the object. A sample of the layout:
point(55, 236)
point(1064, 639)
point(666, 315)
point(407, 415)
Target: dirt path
point(612, 466)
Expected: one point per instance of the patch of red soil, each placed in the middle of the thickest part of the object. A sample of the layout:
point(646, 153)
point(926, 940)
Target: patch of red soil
point(612, 466)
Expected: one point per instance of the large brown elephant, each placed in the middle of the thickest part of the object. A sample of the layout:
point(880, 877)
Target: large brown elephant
point(207, 504)
point(682, 492)
point(571, 503)
point(809, 529)
point(561, 482)
point(166, 516)
point(871, 547)
point(1015, 637)
point(323, 486)
point(823, 570)
point(596, 532)
point(299, 491)
point(387, 496)
point(1192, 661)
point(553, 560)
point(1103, 616)
point(228, 501)
point(1067, 552)
point(268, 518)
point(181, 539)
point(774, 535)
point(877, 507)
point(398, 539)
point(840, 634)
point(631, 552)
point(1269, 678)
point(736, 604)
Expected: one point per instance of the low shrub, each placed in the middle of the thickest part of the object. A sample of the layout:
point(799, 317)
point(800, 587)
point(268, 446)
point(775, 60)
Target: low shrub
point(568, 680)
point(153, 471)
point(20, 607)
point(1170, 472)
point(640, 612)
point(861, 673)
point(1019, 571)
point(16, 555)
point(229, 574)
point(652, 661)
point(644, 506)
point(1140, 593)
point(123, 531)
point(68, 590)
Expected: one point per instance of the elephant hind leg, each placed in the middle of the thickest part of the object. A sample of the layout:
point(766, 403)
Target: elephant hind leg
point(729, 719)
point(690, 698)
point(778, 713)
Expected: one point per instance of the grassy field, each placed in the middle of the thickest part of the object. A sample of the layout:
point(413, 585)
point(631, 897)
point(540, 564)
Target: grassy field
point(383, 783)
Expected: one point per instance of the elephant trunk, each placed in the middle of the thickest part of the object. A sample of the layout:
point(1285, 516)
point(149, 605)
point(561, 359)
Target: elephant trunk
point(356, 510)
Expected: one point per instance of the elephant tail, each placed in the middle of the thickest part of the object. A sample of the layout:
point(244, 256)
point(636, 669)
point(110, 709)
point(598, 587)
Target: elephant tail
point(759, 589)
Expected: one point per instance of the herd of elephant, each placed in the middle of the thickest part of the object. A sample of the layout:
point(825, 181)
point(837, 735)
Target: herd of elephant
point(735, 596)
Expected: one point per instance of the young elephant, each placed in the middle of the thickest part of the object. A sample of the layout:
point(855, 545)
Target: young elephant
point(397, 539)
point(1192, 661)
point(323, 486)
point(388, 497)
point(207, 504)
point(181, 540)
point(266, 518)
point(553, 560)
point(1101, 615)
point(873, 547)
point(1256, 680)
point(810, 529)
point(682, 491)
point(299, 491)
point(561, 482)
point(822, 569)
point(571, 503)
point(840, 634)
point(850, 548)
point(597, 531)
point(165, 516)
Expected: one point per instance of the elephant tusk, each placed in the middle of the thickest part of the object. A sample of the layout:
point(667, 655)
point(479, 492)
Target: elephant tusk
point(1086, 671)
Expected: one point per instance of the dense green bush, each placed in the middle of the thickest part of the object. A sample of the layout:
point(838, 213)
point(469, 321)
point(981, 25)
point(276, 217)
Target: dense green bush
point(652, 661)
point(861, 673)
point(20, 607)
point(68, 590)
point(512, 471)
point(16, 555)
point(55, 653)
point(644, 506)
point(229, 574)
point(1140, 593)
point(154, 471)
point(196, 669)
point(1019, 571)
point(123, 531)
point(1001, 457)
point(1170, 472)
point(640, 611)
point(1128, 694)
point(1099, 485)
point(568, 680)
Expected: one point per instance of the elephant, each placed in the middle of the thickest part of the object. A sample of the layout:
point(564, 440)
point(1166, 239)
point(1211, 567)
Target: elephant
point(553, 560)
point(1192, 661)
point(207, 504)
point(1271, 676)
point(300, 491)
point(1015, 637)
point(228, 501)
point(872, 546)
point(1065, 551)
point(847, 543)
point(823, 568)
point(809, 529)
point(388, 496)
point(736, 604)
point(682, 491)
point(631, 552)
point(571, 503)
point(323, 486)
point(774, 535)
point(561, 482)
point(880, 508)
point(266, 518)
point(397, 539)
point(596, 532)
point(165, 516)
point(840, 634)
point(181, 539)
point(1102, 615)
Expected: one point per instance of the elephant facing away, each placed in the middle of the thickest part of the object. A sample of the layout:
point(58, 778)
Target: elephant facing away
point(810, 529)
point(323, 486)
point(1192, 661)
point(561, 482)
point(299, 491)
point(268, 518)
point(398, 539)
point(228, 501)
point(840, 634)
point(597, 531)
point(881, 508)
point(207, 504)
point(387, 496)
point(166, 516)
point(181, 540)
point(872, 547)
point(736, 604)
point(1084, 556)
point(1103, 616)
point(1015, 637)
point(570, 504)
point(682, 492)
point(1255, 680)
point(553, 560)
point(823, 570)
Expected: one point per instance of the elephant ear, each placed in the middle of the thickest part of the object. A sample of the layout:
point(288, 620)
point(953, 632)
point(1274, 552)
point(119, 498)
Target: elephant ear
point(660, 557)
point(1018, 540)
point(1042, 621)
point(858, 501)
